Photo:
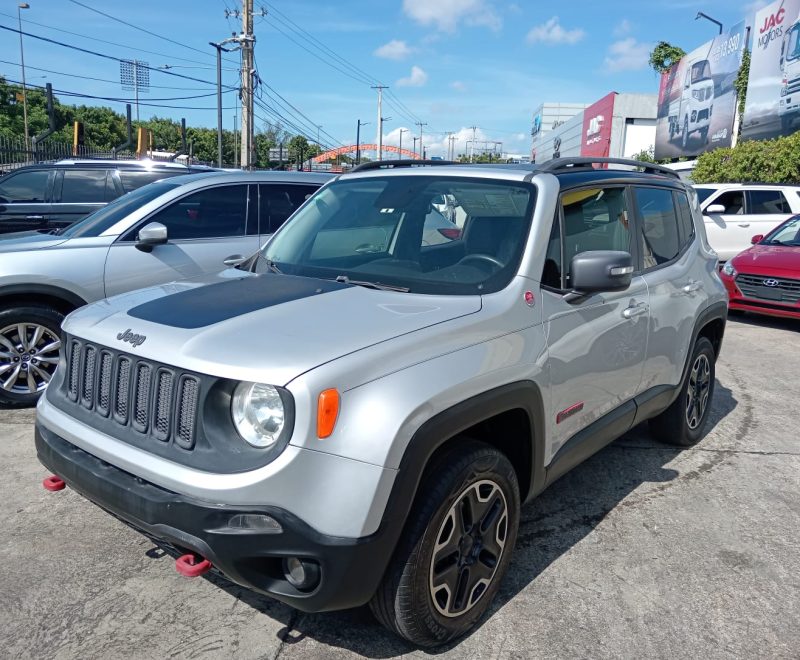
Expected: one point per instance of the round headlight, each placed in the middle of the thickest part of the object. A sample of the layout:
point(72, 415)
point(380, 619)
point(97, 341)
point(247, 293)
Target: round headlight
point(258, 414)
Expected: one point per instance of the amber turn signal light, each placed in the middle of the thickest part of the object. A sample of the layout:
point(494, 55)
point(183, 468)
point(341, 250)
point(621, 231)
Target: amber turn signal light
point(327, 412)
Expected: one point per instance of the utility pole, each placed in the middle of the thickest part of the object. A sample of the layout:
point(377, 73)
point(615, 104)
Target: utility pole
point(379, 141)
point(247, 41)
point(235, 150)
point(449, 145)
point(319, 148)
point(358, 139)
point(472, 145)
point(220, 49)
point(421, 124)
point(402, 130)
point(415, 144)
point(20, 7)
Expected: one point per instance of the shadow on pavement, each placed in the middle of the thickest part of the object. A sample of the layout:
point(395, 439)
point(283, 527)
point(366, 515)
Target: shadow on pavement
point(764, 321)
point(550, 525)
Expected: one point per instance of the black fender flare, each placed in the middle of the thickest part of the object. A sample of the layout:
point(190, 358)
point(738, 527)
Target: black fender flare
point(41, 290)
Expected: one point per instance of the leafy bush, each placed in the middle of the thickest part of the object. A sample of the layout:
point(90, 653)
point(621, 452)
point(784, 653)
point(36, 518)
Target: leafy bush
point(767, 161)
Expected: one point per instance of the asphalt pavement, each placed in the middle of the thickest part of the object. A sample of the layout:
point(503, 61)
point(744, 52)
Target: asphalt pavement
point(643, 551)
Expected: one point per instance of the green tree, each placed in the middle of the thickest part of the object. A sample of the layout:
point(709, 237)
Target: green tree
point(664, 56)
point(740, 85)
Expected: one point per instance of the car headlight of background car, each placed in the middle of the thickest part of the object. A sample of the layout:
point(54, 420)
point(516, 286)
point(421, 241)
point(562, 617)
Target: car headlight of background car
point(728, 269)
point(258, 413)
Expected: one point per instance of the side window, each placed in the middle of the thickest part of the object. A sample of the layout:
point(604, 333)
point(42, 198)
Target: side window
point(551, 273)
point(215, 212)
point(685, 218)
point(131, 180)
point(733, 201)
point(277, 202)
point(594, 219)
point(25, 187)
point(767, 202)
point(84, 186)
point(660, 235)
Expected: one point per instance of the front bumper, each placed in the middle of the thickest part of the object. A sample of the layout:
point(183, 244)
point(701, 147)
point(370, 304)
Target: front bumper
point(737, 301)
point(350, 569)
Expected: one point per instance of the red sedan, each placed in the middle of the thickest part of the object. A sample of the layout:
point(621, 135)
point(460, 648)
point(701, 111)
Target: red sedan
point(765, 278)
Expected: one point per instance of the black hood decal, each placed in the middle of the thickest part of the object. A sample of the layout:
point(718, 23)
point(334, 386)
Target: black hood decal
point(213, 303)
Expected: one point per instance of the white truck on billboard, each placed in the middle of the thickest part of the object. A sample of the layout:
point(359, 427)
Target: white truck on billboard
point(692, 110)
point(789, 103)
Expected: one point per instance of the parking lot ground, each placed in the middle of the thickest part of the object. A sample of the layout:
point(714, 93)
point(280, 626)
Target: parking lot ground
point(643, 551)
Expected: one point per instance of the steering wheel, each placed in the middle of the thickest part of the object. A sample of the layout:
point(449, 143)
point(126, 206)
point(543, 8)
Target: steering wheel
point(481, 258)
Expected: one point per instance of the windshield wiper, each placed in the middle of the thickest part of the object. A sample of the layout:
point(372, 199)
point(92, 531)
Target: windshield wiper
point(371, 285)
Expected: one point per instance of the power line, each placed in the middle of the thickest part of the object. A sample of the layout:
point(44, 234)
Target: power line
point(112, 43)
point(141, 29)
point(108, 57)
point(103, 80)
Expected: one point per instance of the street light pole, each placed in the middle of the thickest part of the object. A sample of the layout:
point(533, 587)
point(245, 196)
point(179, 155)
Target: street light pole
point(20, 7)
point(708, 18)
point(402, 130)
point(358, 140)
point(415, 143)
point(219, 48)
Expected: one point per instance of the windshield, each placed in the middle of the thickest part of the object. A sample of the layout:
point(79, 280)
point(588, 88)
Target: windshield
point(793, 45)
point(786, 234)
point(96, 223)
point(701, 71)
point(703, 193)
point(386, 230)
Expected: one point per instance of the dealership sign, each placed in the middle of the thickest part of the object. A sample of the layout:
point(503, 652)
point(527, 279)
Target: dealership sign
point(597, 121)
point(697, 100)
point(773, 90)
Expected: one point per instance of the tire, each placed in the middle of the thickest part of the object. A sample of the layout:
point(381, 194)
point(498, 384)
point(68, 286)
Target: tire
point(704, 135)
point(413, 600)
point(683, 422)
point(26, 367)
point(787, 122)
point(685, 133)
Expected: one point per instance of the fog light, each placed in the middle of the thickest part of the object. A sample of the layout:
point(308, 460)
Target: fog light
point(302, 574)
point(254, 522)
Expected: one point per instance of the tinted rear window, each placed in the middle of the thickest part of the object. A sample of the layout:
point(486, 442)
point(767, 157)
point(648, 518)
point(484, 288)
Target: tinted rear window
point(131, 180)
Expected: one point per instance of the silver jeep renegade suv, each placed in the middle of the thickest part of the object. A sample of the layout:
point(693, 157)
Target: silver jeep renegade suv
point(356, 414)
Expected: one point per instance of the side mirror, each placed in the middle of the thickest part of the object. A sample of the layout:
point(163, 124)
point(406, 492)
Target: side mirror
point(599, 270)
point(714, 209)
point(757, 238)
point(152, 234)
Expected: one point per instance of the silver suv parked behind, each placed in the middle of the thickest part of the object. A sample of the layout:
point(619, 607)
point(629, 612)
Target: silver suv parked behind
point(358, 415)
point(173, 229)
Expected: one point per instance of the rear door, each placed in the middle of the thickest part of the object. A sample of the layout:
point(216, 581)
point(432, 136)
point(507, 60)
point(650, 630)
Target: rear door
point(203, 228)
point(25, 200)
point(765, 209)
point(79, 192)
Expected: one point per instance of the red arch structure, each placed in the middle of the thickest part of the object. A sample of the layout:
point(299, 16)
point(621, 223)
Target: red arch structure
point(351, 149)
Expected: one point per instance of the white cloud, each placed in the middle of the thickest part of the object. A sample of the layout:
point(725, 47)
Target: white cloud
point(394, 50)
point(623, 27)
point(417, 78)
point(627, 55)
point(458, 86)
point(552, 32)
point(446, 15)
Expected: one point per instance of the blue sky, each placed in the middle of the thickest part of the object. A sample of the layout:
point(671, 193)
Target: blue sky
point(451, 63)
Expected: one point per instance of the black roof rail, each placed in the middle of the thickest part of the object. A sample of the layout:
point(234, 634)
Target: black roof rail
point(567, 164)
point(411, 162)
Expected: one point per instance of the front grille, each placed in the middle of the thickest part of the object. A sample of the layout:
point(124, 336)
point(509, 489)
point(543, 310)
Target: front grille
point(133, 392)
point(786, 291)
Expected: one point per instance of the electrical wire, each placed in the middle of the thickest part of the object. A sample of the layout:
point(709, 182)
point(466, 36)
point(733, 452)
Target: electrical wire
point(112, 43)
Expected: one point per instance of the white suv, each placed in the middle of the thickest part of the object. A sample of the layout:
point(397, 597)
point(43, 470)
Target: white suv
point(734, 212)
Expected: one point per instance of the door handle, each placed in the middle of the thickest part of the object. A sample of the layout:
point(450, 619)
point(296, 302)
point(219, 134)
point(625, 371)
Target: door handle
point(34, 217)
point(692, 286)
point(635, 310)
point(233, 260)
point(744, 224)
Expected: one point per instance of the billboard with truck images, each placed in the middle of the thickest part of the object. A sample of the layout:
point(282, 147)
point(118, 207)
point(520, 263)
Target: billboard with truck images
point(697, 100)
point(773, 90)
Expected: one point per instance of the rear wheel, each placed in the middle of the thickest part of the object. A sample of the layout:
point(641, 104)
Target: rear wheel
point(455, 549)
point(29, 346)
point(682, 424)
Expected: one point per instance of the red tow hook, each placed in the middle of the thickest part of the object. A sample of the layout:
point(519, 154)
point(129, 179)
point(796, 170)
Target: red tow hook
point(191, 565)
point(53, 483)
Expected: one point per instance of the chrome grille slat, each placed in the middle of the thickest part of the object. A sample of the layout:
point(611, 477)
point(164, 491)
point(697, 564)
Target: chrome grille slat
point(151, 399)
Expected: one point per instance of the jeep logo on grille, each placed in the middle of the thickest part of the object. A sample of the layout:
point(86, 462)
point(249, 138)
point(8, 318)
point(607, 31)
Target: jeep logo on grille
point(771, 282)
point(132, 338)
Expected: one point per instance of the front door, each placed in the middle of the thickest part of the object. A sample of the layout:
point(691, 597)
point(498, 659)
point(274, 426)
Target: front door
point(203, 228)
point(728, 233)
point(596, 346)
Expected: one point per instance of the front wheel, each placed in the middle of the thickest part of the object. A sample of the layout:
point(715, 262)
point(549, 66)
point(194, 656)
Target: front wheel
point(683, 422)
point(455, 549)
point(29, 346)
